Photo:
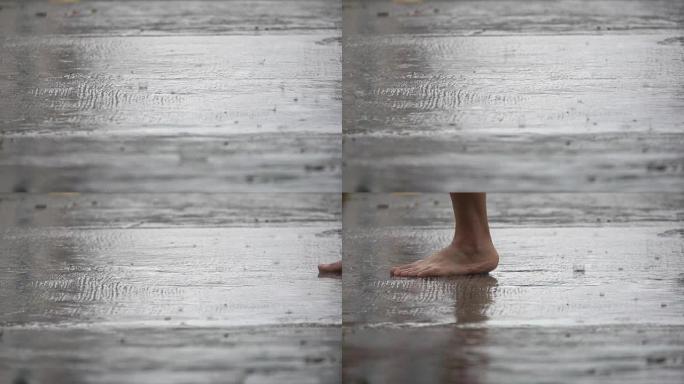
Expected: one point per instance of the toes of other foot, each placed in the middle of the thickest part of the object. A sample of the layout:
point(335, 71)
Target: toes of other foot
point(330, 268)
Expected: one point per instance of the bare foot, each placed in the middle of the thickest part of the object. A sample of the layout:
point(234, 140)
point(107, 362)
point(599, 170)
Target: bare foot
point(450, 261)
point(335, 267)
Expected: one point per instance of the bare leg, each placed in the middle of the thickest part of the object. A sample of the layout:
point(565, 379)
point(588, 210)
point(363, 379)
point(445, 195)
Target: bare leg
point(335, 267)
point(470, 252)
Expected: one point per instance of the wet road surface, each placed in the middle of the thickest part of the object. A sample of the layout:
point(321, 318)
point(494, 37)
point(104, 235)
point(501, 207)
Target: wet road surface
point(513, 96)
point(104, 96)
point(589, 288)
point(169, 288)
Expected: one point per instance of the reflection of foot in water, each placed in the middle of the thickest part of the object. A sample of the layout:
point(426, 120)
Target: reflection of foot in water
point(335, 267)
point(470, 252)
point(473, 295)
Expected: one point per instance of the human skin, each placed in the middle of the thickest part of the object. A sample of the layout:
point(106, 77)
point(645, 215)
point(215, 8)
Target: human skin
point(470, 252)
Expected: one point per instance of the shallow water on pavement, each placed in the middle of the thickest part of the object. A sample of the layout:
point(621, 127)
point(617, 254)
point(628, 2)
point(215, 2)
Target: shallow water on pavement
point(169, 288)
point(513, 96)
point(588, 286)
point(166, 97)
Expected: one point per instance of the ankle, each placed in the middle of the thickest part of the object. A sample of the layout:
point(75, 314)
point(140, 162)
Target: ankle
point(473, 246)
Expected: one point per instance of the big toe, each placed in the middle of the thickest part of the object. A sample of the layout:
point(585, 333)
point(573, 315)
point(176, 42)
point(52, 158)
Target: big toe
point(402, 267)
point(411, 272)
point(397, 270)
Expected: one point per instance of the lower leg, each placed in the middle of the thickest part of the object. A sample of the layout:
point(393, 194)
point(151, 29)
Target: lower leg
point(471, 251)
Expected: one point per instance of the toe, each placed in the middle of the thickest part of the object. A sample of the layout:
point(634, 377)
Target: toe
point(398, 268)
point(335, 267)
point(411, 272)
point(401, 273)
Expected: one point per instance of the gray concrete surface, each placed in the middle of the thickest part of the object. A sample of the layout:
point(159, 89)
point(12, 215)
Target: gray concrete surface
point(507, 96)
point(195, 96)
point(588, 289)
point(169, 288)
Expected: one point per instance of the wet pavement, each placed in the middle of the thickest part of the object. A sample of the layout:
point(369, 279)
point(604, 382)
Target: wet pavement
point(122, 125)
point(513, 96)
point(589, 288)
point(104, 96)
point(169, 288)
